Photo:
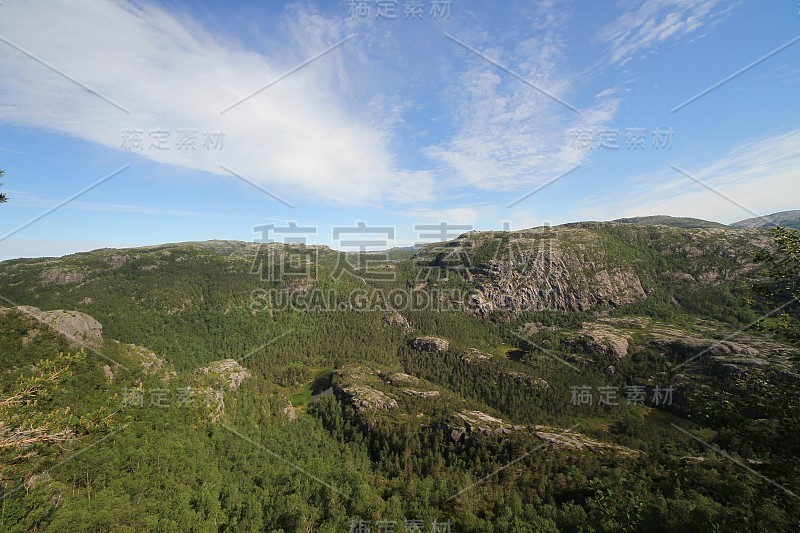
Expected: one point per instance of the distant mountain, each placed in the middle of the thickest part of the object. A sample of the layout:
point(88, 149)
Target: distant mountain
point(675, 222)
point(399, 253)
point(787, 219)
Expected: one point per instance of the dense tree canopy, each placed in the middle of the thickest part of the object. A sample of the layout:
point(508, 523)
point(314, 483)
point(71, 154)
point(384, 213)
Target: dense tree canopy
point(717, 457)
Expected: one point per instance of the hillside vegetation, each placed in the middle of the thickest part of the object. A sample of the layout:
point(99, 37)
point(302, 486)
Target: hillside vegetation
point(586, 377)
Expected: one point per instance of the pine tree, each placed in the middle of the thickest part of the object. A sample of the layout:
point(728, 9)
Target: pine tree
point(3, 197)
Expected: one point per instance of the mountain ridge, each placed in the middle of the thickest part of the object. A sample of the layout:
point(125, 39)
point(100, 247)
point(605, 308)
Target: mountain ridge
point(788, 219)
point(227, 247)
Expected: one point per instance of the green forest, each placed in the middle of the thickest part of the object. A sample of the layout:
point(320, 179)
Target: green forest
point(666, 403)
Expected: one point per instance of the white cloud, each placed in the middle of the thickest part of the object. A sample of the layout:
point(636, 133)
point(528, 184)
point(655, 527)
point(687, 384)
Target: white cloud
point(761, 176)
point(464, 215)
point(509, 135)
point(653, 22)
point(297, 138)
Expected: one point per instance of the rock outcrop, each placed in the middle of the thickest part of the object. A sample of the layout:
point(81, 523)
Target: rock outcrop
point(399, 378)
point(430, 344)
point(602, 339)
point(290, 411)
point(466, 424)
point(528, 381)
point(354, 384)
point(474, 355)
point(214, 402)
point(116, 261)
point(78, 327)
point(422, 393)
point(366, 398)
point(394, 318)
point(556, 287)
point(151, 363)
point(581, 266)
point(229, 371)
point(572, 440)
point(62, 277)
point(534, 270)
point(723, 358)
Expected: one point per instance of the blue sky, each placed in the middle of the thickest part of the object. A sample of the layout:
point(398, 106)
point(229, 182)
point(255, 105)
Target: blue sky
point(193, 121)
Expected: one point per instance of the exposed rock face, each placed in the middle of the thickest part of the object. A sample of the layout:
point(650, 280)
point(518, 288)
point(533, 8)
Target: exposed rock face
point(151, 363)
point(229, 371)
point(62, 277)
point(534, 270)
point(422, 393)
point(353, 383)
point(78, 327)
point(602, 339)
point(577, 267)
point(430, 344)
point(726, 358)
point(116, 261)
point(300, 287)
point(214, 401)
point(694, 345)
point(467, 424)
point(290, 412)
point(474, 355)
point(528, 381)
point(477, 420)
point(365, 398)
point(565, 438)
point(541, 288)
point(396, 319)
point(400, 378)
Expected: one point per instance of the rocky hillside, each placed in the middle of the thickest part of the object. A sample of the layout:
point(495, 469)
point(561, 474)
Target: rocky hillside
point(578, 267)
point(199, 287)
point(577, 374)
point(675, 222)
point(787, 219)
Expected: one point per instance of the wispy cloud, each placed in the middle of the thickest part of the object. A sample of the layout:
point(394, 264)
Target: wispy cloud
point(511, 130)
point(24, 199)
point(315, 135)
point(299, 138)
point(650, 23)
point(754, 174)
point(469, 215)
